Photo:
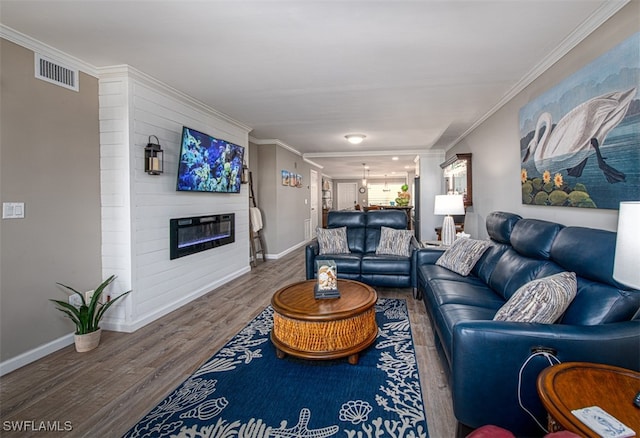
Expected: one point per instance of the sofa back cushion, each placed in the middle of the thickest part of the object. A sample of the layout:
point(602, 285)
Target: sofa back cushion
point(533, 237)
point(487, 263)
point(598, 303)
point(355, 221)
point(500, 225)
point(375, 219)
point(590, 254)
point(513, 271)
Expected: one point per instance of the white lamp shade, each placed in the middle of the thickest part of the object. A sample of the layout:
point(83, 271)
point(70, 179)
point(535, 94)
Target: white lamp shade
point(626, 268)
point(448, 204)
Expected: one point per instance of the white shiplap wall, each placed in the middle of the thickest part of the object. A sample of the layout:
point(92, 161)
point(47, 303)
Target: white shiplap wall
point(136, 207)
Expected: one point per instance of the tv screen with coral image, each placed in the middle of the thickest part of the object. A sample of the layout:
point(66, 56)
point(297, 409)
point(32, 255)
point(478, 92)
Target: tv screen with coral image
point(208, 164)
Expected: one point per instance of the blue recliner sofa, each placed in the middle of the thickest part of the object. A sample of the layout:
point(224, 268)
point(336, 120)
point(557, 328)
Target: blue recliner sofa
point(493, 365)
point(363, 264)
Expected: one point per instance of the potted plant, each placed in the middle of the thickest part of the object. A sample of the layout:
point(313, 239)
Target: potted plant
point(87, 316)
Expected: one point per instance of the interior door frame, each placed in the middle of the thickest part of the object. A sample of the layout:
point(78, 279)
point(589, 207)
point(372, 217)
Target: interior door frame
point(314, 211)
point(347, 189)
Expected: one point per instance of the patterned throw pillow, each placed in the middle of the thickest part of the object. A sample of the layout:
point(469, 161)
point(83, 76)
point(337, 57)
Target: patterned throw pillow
point(394, 242)
point(463, 255)
point(543, 300)
point(333, 240)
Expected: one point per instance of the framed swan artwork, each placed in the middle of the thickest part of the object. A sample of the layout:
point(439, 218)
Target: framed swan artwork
point(580, 141)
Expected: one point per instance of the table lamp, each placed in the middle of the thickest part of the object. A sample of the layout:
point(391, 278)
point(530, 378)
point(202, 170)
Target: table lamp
point(625, 265)
point(448, 205)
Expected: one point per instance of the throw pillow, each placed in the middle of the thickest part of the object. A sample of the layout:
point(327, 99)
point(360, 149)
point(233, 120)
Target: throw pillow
point(463, 255)
point(543, 300)
point(394, 242)
point(333, 240)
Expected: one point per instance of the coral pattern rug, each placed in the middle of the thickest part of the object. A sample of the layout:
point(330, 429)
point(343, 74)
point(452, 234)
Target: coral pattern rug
point(245, 391)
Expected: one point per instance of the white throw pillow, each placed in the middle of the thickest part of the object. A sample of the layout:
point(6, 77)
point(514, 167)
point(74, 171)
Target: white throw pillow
point(333, 240)
point(394, 242)
point(463, 255)
point(543, 300)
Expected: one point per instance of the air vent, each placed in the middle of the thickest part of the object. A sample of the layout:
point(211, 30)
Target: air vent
point(56, 73)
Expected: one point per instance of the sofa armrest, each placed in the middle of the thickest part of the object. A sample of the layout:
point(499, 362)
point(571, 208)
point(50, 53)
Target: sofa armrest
point(488, 357)
point(414, 246)
point(311, 251)
point(428, 256)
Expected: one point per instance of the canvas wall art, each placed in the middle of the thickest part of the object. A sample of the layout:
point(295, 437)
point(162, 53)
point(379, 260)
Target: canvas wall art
point(580, 141)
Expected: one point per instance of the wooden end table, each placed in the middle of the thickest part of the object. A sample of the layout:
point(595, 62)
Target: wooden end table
point(574, 385)
point(324, 329)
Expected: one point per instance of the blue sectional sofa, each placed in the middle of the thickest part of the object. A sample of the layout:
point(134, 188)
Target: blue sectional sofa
point(493, 363)
point(363, 235)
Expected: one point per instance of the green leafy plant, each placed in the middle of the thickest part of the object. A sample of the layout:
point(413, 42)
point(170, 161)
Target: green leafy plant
point(87, 317)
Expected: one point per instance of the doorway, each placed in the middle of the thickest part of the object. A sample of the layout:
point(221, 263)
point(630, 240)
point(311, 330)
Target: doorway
point(313, 186)
point(347, 195)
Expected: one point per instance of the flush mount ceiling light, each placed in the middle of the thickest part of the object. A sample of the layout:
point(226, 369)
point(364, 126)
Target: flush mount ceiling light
point(355, 138)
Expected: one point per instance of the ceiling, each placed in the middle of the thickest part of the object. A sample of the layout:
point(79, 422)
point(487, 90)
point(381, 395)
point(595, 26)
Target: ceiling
point(410, 75)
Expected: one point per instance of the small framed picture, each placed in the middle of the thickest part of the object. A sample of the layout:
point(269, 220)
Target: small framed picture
point(327, 281)
point(285, 177)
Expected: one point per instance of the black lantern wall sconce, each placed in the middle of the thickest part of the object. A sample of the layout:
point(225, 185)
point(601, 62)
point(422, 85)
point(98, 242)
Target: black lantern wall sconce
point(153, 157)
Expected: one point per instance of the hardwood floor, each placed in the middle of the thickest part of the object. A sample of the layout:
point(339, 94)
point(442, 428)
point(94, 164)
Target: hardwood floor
point(104, 392)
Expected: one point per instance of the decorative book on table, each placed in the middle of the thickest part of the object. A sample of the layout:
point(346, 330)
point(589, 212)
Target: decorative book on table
point(603, 423)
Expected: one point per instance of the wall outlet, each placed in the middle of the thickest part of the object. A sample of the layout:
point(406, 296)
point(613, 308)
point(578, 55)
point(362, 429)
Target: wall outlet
point(75, 300)
point(87, 295)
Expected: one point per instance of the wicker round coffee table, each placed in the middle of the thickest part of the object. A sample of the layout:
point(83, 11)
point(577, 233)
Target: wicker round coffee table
point(324, 329)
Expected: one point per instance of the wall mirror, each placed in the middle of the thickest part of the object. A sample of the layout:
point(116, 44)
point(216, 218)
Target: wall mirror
point(457, 177)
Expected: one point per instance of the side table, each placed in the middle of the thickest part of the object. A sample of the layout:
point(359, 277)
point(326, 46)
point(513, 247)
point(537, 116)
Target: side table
point(324, 329)
point(574, 385)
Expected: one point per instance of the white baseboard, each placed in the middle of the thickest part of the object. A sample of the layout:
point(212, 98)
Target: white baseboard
point(131, 327)
point(287, 251)
point(37, 353)
point(43, 350)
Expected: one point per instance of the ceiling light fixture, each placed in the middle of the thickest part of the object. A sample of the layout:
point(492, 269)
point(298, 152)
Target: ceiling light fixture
point(364, 177)
point(355, 138)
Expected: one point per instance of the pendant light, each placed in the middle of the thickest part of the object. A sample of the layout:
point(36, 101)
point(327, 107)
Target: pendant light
point(364, 176)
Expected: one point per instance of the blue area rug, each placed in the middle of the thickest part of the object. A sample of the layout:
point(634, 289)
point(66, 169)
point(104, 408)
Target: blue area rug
point(245, 391)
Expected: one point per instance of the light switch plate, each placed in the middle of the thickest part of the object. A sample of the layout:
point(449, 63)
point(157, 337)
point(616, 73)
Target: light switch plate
point(12, 210)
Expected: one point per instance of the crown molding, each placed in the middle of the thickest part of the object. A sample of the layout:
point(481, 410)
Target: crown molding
point(111, 71)
point(117, 71)
point(313, 163)
point(36, 46)
point(594, 21)
point(361, 153)
point(260, 141)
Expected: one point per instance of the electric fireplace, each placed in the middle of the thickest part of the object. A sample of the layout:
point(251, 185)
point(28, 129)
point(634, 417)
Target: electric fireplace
point(190, 235)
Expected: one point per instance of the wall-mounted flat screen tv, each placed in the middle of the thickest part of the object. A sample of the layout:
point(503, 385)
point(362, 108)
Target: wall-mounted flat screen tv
point(208, 164)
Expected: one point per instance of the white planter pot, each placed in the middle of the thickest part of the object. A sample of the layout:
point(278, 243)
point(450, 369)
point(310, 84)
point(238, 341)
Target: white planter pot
point(87, 342)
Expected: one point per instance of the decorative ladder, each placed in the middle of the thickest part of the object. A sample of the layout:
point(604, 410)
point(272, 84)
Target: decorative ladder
point(256, 240)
